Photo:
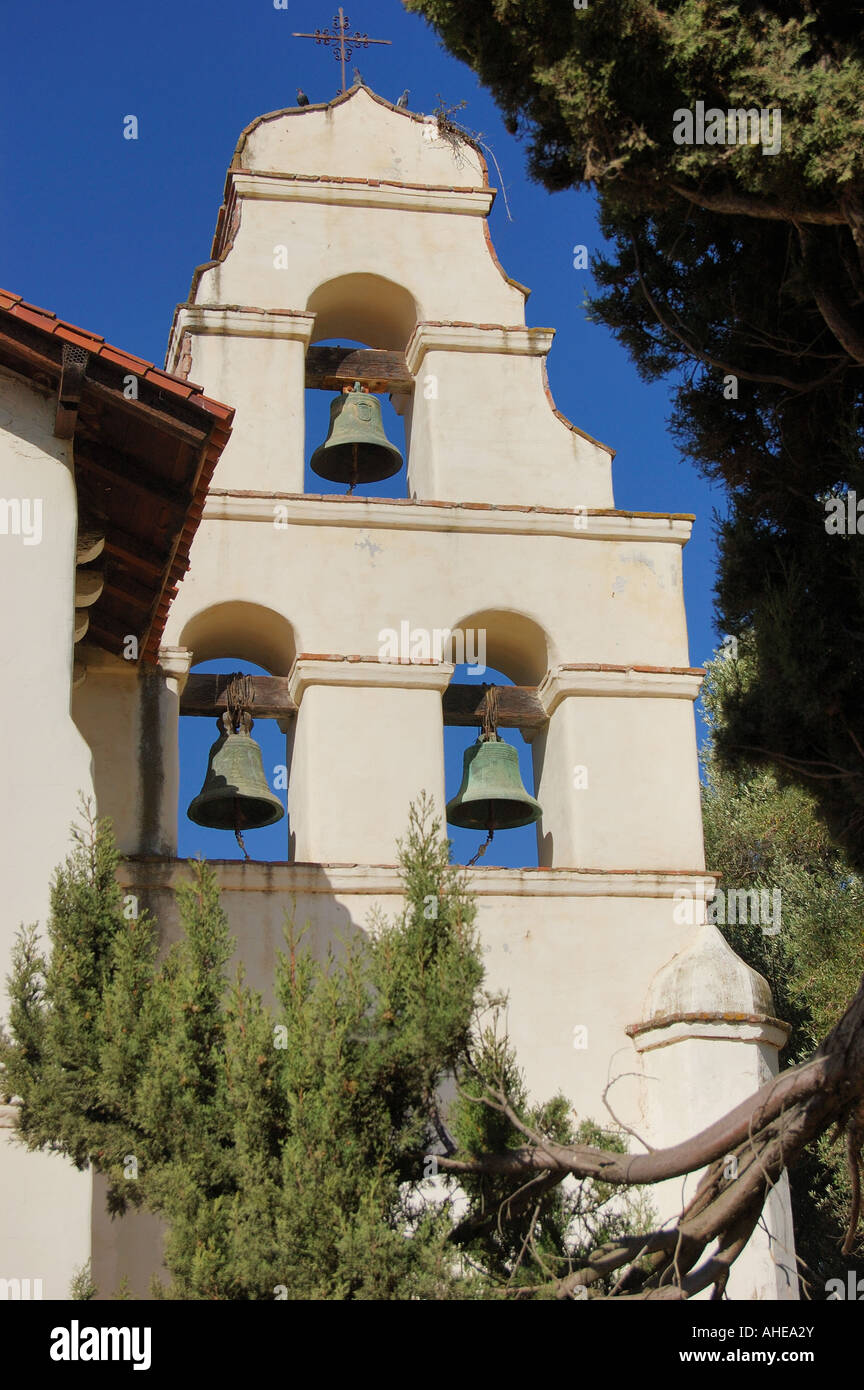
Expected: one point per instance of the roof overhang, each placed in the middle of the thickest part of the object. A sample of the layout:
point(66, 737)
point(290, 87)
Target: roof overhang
point(145, 445)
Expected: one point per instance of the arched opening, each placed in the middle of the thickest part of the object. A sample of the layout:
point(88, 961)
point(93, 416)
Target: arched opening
point(501, 647)
point(197, 735)
point(251, 631)
point(509, 641)
point(230, 637)
point(361, 311)
point(365, 308)
point(395, 421)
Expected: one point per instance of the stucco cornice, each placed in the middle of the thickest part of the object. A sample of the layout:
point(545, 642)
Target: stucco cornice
point(382, 879)
point(238, 321)
point(723, 1027)
point(513, 340)
point(369, 193)
point(380, 513)
point(310, 670)
point(593, 678)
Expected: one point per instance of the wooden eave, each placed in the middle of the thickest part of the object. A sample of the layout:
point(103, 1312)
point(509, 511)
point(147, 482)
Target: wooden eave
point(142, 465)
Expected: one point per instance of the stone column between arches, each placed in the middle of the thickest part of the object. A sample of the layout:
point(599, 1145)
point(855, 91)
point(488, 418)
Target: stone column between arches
point(368, 740)
point(616, 770)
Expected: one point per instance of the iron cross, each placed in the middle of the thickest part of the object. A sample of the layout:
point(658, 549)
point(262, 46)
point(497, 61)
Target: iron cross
point(346, 42)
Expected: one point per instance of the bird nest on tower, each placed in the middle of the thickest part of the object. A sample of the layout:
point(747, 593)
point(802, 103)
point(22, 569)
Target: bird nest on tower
point(448, 129)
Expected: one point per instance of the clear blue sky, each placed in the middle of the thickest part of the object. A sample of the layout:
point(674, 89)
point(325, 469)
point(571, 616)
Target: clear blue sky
point(106, 232)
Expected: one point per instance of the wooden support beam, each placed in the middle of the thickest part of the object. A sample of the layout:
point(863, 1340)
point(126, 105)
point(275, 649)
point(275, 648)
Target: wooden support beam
point(72, 375)
point(205, 695)
point(123, 471)
point(161, 420)
point(518, 705)
point(134, 552)
point(108, 632)
point(331, 368)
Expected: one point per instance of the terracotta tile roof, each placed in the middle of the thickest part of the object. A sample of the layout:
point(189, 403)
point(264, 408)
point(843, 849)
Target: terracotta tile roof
point(176, 397)
point(93, 343)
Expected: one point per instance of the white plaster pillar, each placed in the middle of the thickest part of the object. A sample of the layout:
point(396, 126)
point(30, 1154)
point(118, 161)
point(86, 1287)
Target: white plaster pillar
point(256, 359)
point(709, 1041)
point(617, 770)
point(368, 739)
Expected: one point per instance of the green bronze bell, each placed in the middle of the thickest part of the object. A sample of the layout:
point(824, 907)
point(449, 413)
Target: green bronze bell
point(356, 449)
point(235, 795)
point(492, 796)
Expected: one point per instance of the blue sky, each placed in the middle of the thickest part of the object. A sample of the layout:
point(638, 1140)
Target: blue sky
point(106, 232)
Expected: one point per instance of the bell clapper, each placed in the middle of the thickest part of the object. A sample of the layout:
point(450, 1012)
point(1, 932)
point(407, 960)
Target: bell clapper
point(482, 850)
point(239, 834)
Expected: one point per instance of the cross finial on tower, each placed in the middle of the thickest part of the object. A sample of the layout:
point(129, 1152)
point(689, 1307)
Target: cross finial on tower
point(346, 42)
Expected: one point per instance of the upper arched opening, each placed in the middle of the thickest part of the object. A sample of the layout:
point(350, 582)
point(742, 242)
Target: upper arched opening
point(510, 642)
point(249, 631)
point(365, 308)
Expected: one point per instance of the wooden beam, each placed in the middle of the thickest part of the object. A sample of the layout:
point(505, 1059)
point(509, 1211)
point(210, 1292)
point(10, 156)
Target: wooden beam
point(331, 368)
point(133, 552)
point(106, 394)
point(117, 469)
point(128, 592)
point(205, 695)
point(518, 705)
point(72, 375)
point(106, 631)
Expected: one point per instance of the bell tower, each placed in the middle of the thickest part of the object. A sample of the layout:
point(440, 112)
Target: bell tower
point(359, 220)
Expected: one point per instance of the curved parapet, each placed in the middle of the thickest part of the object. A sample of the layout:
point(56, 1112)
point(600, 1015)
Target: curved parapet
point(361, 220)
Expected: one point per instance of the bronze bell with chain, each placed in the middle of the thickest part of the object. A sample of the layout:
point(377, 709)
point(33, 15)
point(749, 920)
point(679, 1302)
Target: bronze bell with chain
point(491, 796)
point(235, 795)
point(356, 449)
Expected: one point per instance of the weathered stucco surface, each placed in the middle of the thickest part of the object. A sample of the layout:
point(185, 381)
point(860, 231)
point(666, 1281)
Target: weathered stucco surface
point(508, 526)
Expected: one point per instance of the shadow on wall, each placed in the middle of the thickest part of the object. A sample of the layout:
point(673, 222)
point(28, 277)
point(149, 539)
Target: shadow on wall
point(255, 898)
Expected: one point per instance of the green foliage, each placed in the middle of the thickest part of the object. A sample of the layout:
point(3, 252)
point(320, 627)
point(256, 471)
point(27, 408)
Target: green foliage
point(548, 1230)
point(762, 834)
point(81, 1286)
point(287, 1149)
point(724, 262)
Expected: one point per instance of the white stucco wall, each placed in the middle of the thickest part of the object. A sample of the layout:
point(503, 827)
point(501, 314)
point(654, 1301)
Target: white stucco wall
point(44, 1203)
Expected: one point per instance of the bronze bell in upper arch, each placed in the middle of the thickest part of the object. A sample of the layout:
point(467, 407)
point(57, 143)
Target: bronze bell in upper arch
point(356, 449)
